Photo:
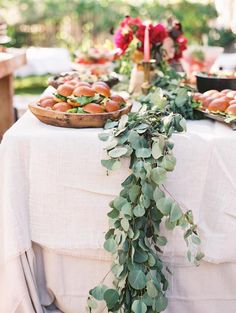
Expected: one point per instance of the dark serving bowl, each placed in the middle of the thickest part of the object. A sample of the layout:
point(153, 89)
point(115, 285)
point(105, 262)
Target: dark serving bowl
point(205, 83)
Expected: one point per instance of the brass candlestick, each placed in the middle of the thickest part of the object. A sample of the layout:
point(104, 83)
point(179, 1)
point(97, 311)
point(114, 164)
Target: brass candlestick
point(147, 67)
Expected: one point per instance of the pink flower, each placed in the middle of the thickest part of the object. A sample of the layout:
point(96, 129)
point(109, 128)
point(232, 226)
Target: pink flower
point(182, 42)
point(157, 33)
point(123, 39)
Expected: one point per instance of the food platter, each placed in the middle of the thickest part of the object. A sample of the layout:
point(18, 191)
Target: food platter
point(75, 120)
point(110, 79)
point(218, 117)
point(218, 105)
point(78, 104)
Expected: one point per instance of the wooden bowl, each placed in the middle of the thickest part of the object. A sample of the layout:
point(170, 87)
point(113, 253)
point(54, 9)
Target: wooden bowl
point(76, 120)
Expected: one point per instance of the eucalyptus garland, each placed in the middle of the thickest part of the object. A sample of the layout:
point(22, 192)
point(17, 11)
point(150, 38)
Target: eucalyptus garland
point(143, 205)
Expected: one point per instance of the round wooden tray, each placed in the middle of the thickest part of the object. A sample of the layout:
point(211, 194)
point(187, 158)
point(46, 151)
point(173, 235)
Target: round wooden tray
point(76, 120)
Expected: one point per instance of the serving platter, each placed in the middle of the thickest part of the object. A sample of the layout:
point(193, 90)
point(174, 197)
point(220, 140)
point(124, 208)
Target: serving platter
point(55, 82)
point(218, 117)
point(76, 120)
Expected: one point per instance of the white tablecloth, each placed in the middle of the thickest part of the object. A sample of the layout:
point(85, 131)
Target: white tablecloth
point(54, 191)
point(52, 182)
point(41, 61)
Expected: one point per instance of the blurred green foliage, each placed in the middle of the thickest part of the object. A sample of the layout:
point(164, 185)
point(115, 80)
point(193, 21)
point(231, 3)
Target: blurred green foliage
point(30, 85)
point(94, 20)
point(221, 37)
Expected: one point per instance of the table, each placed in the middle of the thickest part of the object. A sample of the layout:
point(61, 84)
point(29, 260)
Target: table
point(54, 197)
point(9, 62)
point(41, 61)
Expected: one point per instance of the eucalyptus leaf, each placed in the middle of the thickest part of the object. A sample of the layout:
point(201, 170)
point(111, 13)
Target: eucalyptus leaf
point(137, 279)
point(125, 224)
point(176, 213)
point(151, 260)
point(189, 256)
point(117, 270)
point(158, 175)
point(140, 256)
point(157, 99)
point(139, 306)
point(123, 121)
point(182, 97)
point(123, 138)
point(182, 124)
point(98, 292)
point(189, 216)
point(200, 255)
point(111, 296)
point(144, 201)
point(134, 139)
point(147, 190)
point(156, 150)
point(161, 303)
point(117, 152)
point(170, 225)
point(139, 210)
point(118, 202)
point(151, 289)
point(104, 136)
point(129, 151)
point(110, 245)
point(164, 205)
point(143, 153)
point(141, 128)
point(129, 180)
point(196, 239)
point(169, 162)
point(137, 141)
point(110, 124)
point(134, 192)
point(111, 144)
point(111, 164)
point(158, 194)
point(113, 214)
point(109, 233)
point(92, 303)
point(127, 209)
point(183, 222)
point(161, 240)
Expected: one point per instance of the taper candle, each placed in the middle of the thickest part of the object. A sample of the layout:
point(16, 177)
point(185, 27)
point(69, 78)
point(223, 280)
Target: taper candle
point(146, 44)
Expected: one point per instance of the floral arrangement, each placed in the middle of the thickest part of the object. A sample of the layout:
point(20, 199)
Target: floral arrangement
point(167, 42)
point(94, 56)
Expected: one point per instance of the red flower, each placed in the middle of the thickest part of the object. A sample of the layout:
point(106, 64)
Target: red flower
point(157, 33)
point(181, 42)
point(140, 32)
point(131, 22)
point(123, 39)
